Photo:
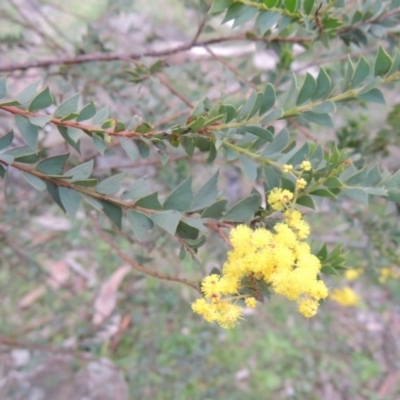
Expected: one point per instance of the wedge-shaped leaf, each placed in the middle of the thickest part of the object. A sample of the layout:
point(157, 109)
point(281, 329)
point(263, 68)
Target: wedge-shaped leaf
point(52, 165)
point(291, 5)
point(323, 85)
point(324, 108)
point(81, 172)
point(240, 12)
point(220, 6)
point(113, 212)
point(129, 147)
point(140, 224)
point(144, 149)
point(41, 120)
point(68, 106)
point(230, 111)
point(269, 99)
point(362, 71)
point(212, 155)
point(280, 141)
point(150, 201)
point(100, 144)
point(137, 190)
point(307, 90)
point(181, 198)
point(71, 200)
point(167, 220)
point(246, 107)
point(266, 20)
point(86, 182)
point(74, 133)
point(249, 167)
point(356, 194)
point(8, 158)
point(195, 223)
point(86, 113)
point(110, 185)
point(3, 87)
point(333, 182)
point(374, 176)
point(348, 75)
point(100, 116)
point(22, 154)
point(319, 119)
point(216, 210)
point(206, 195)
point(308, 6)
point(69, 117)
point(383, 62)
point(28, 93)
point(28, 131)
point(323, 193)
point(187, 143)
point(64, 133)
point(306, 201)
point(186, 231)
point(93, 202)
point(6, 140)
point(55, 195)
point(258, 103)
point(272, 178)
point(37, 183)
point(197, 124)
point(260, 132)
point(43, 100)
point(244, 210)
point(272, 116)
point(373, 96)
point(356, 179)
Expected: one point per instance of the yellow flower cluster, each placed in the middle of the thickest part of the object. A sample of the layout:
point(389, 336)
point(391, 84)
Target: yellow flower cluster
point(280, 258)
point(386, 273)
point(305, 166)
point(353, 274)
point(345, 297)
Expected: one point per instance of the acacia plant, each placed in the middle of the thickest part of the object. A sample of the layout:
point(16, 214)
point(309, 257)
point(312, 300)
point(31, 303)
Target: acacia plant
point(300, 135)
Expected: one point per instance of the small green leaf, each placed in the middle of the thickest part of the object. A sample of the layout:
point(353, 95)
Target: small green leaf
point(186, 231)
point(68, 106)
point(244, 210)
point(325, 107)
point(52, 165)
point(246, 107)
point(308, 6)
point(383, 62)
point(239, 11)
point(140, 223)
point(110, 185)
point(181, 198)
point(100, 144)
point(167, 220)
point(269, 99)
point(93, 202)
point(361, 72)
point(41, 120)
point(150, 201)
point(323, 193)
point(212, 155)
point(197, 124)
point(307, 90)
point(100, 116)
point(356, 194)
point(260, 132)
point(144, 149)
point(272, 116)
point(306, 201)
point(206, 195)
point(291, 5)
point(3, 87)
point(71, 200)
point(86, 182)
point(231, 112)
point(43, 100)
point(81, 172)
point(6, 140)
point(28, 93)
point(36, 182)
point(195, 223)
point(272, 178)
point(74, 133)
point(220, 6)
point(319, 119)
point(266, 20)
point(188, 144)
point(249, 167)
point(54, 193)
point(280, 141)
point(130, 149)
point(333, 182)
point(258, 103)
point(137, 190)
point(64, 133)
point(86, 113)
point(216, 210)
point(22, 154)
point(28, 131)
point(323, 85)
point(373, 96)
point(113, 212)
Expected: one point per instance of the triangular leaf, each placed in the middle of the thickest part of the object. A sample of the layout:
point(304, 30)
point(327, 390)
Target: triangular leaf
point(181, 198)
point(206, 195)
point(167, 220)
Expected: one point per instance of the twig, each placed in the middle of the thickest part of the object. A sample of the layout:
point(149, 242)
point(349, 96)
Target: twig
point(163, 79)
point(135, 265)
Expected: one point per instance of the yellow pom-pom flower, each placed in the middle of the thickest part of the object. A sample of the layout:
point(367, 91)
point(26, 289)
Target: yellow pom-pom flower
point(305, 166)
point(287, 168)
point(250, 302)
point(279, 198)
point(301, 183)
point(345, 297)
point(307, 307)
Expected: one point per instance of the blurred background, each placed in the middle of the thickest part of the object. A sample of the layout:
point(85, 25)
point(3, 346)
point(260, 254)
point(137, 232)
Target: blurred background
point(77, 323)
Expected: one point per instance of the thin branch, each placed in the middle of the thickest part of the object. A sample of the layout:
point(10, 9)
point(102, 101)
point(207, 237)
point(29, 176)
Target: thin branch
point(107, 57)
point(135, 265)
point(163, 79)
